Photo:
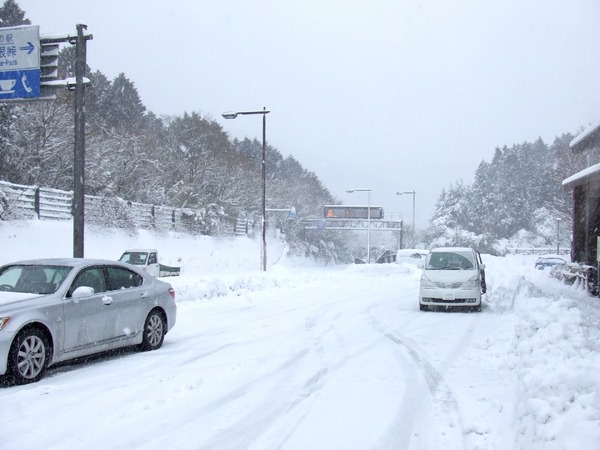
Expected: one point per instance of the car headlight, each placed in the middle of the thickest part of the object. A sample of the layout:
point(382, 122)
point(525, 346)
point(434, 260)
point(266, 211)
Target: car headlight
point(471, 283)
point(4, 321)
point(426, 283)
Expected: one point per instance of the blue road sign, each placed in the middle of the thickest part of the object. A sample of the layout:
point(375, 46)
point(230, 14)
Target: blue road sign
point(19, 84)
point(19, 62)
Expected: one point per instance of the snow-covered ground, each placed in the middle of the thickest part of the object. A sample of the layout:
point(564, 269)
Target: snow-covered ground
point(309, 357)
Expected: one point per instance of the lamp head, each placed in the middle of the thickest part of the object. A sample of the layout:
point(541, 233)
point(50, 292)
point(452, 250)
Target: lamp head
point(230, 115)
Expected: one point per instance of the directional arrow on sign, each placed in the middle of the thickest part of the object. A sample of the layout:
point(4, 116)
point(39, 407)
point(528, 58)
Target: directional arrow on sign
point(29, 47)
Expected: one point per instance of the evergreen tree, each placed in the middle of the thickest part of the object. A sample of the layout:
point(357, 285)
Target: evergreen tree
point(11, 15)
point(97, 97)
point(123, 106)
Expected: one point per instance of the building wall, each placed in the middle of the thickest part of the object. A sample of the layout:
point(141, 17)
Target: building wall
point(586, 221)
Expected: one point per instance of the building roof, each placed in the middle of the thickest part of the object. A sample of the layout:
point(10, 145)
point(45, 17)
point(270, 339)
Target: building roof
point(582, 177)
point(587, 140)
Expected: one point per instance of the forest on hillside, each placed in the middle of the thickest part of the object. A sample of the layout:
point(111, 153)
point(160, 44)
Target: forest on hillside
point(517, 196)
point(189, 161)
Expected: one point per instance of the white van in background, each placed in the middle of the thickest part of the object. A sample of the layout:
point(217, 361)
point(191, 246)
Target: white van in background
point(452, 277)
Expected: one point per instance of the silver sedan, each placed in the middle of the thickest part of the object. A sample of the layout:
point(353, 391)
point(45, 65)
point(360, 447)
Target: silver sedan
point(53, 310)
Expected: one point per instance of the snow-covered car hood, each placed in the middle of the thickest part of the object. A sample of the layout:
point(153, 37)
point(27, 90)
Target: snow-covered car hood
point(7, 298)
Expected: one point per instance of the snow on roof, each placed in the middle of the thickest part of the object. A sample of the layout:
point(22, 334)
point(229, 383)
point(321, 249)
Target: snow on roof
point(451, 249)
point(587, 139)
point(581, 177)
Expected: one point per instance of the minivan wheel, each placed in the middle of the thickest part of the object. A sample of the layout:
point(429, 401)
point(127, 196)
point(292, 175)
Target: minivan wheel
point(28, 357)
point(154, 331)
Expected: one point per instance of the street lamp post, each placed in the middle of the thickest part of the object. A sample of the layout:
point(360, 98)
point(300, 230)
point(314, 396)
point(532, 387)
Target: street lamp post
point(558, 219)
point(414, 194)
point(368, 191)
point(264, 112)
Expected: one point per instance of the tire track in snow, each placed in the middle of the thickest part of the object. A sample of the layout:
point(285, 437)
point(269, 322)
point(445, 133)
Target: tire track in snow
point(400, 431)
point(276, 422)
point(191, 415)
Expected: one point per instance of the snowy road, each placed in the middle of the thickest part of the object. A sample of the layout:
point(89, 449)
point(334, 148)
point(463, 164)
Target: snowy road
point(336, 358)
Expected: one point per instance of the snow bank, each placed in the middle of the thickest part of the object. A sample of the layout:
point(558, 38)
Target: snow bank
point(556, 355)
point(557, 361)
point(197, 255)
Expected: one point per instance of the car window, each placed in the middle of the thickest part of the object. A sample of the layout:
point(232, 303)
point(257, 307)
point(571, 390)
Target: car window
point(121, 278)
point(152, 258)
point(91, 277)
point(9, 277)
point(33, 279)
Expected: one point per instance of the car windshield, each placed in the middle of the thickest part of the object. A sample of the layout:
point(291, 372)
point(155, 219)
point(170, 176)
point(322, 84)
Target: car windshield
point(32, 279)
point(137, 258)
point(450, 261)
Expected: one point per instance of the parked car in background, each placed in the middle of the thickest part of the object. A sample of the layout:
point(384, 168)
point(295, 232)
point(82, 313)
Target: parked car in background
point(452, 277)
point(53, 310)
point(549, 262)
point(147, 259)
point(413, 256)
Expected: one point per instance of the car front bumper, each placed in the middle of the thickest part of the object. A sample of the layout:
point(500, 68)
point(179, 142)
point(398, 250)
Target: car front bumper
point(450, 297)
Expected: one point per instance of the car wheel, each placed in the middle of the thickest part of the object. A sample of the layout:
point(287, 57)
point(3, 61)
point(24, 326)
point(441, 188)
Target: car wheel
point(154, 331)
point(28, 357)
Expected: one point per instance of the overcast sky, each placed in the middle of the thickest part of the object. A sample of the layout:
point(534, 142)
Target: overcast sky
point(390, 95)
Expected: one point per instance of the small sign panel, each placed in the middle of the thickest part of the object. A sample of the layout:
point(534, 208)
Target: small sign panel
point(19, 62)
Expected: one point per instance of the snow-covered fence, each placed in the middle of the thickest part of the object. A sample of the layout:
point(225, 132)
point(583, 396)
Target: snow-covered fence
point(539, 251)
point(32, 201)
point(20, 201)
point(164, 218)
point(243, 227)
point(143, 214)
point(53, 204)
point(111, 211)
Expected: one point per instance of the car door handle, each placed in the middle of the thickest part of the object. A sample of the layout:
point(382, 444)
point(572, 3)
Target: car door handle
point(144, 295)
point(107, 300)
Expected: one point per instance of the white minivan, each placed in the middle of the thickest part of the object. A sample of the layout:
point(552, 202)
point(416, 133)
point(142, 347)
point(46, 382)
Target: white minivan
point(452, 277)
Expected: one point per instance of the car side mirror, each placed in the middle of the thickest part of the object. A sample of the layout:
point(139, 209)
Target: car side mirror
point(482, 266)
point(82, 292)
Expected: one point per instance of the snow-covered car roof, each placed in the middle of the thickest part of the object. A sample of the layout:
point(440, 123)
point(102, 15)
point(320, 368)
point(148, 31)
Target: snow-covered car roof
point(451, 249)
point(72, 262)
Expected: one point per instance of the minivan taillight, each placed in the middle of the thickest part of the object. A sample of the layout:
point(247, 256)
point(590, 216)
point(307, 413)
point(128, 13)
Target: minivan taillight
point(172, 292)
